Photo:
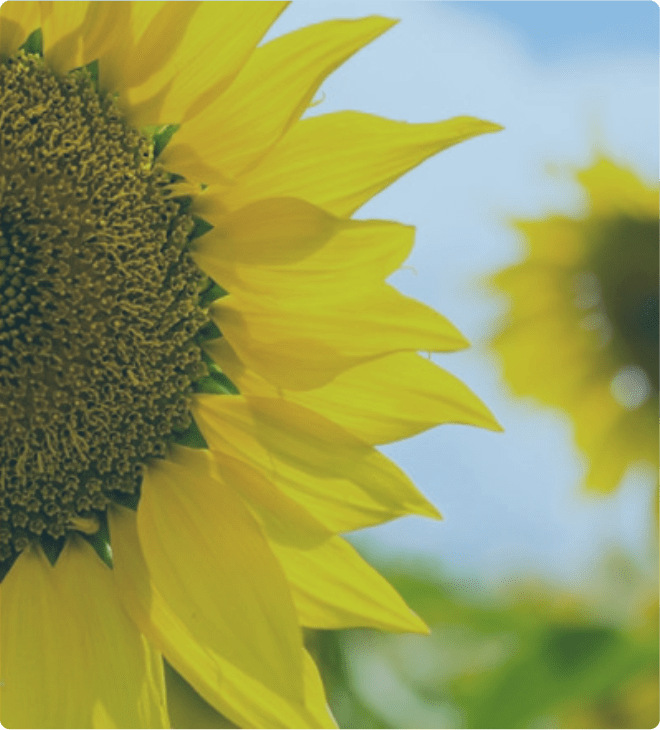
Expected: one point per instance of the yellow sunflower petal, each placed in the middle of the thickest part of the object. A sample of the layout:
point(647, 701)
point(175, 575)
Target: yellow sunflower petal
point(271, 92)
point(71, 657)
point(17, 21)
point(557, 242)
point(237, 695)
point(632, 438)
point(334, 588)
point(529, 370)
point(338, 161)
point(298, 348)
point(62, 28)
point(315, 252)
point(282, 517)
point(202, 546)
point(247, 381)
point(340, 480)
point(269, 232)
point(373, 400)
point(536, 291)
point(613, 189)
point(194, 51)
point(187, 708)
point(395, 397)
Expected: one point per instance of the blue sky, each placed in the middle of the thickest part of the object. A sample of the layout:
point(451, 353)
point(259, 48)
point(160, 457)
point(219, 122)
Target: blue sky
point(561, 77)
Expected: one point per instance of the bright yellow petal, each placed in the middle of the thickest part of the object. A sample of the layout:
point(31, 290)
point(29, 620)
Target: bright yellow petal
point(613, 189)
point(380, 401)
point(187, 708)
point(283, 518)
point(523, 348)
point(202, 545)
point(558, 242)
point(193, 51)
point(343, 482)
point(271, 92)
point(334, 588)
point(316, 253)
point(237, 695)
point(339, 161)
point(539, 288)
point(71, 657)
point(395, 397)
point(62, 28)
point(269, 232)
point(300, 347)
point(17, 21)
point(633, 438)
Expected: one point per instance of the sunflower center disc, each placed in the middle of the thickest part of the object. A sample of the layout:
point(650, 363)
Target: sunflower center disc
point(98, 304)
point(626, 265)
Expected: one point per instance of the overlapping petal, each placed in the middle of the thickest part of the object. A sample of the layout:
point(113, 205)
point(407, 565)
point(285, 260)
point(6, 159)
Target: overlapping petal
point(63, 26)
point(161, 57)
point(334, 588)
point(339, 161)
point(327, 337)
point(272, 91)
point(286, 250)
point(71, 656)
point(373, 400)
point(168, 82)
point(268, 233)
point(395, 397)
point(237, 694)
point(343, 482)
point(219, 575)
point(282, 518)
point(17, 21)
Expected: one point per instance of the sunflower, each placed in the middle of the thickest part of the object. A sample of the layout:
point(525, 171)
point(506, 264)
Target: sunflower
point(198, 356)
point(582, 330)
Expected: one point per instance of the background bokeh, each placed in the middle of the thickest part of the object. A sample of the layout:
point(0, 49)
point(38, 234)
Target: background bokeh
point(527, 570)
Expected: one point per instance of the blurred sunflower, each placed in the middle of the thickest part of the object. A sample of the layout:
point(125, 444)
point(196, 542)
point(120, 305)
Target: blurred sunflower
point(198, 354)
point(582, 330)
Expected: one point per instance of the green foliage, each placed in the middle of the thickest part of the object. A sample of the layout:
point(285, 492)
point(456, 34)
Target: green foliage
point(541, 658)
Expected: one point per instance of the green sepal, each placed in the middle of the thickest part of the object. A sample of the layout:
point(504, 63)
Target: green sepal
point(184, 201)
point(221, 384)
point(100, 541)
point(6, 565)
point(34, 43)
point(209, 331)
point(210, 294)
point(130, 501)
point(192, 437)
point(200, 228)
point(162, 137)
point(217, 384)
point(93, 71)
point(52, 547)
